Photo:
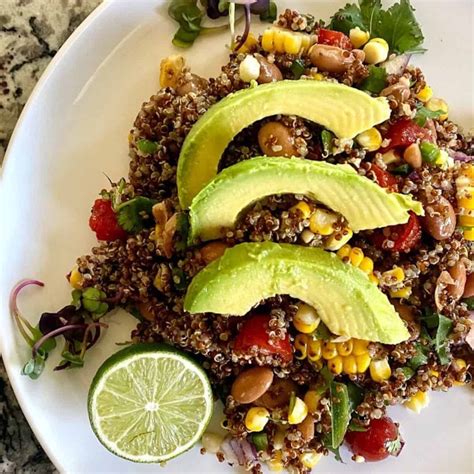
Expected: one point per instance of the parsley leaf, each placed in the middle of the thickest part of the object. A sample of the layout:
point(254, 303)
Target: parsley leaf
point(469, 303)
point(423, 114)
point(132, 215)
point(397, 25)
point(420, 358)
point(376, 81)
point(444, 328)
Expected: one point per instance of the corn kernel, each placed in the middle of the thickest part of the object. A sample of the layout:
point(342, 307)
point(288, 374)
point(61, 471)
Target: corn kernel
point(312, 399)
point(314, 350)
point(349, 365)
point(301, 346)
point(345, 348)
point(468, 172)
point(371, 139)
point(249, 69)
point(306, 319)
point(467, 202)
point(279, 40)
point(292, 43)
point(171, 69)
point(322, 222)
point(358, 37)
point(359, 347)
point(329, 350)
point(376, 51)
point(335, 365)
point(275, 464)
point(433, 373)
point(356, 256)
point(298, 412)
point(435, 104)
point(76, 280)
point(250, 42)
point(304, 208)
point(418, 401)
point(403, 293)
point(309, 459)
point(338, 239)
point(279, 438)
point(344, 252)
point(267, 40)
point(469, 235)
point(425, 94)
point(317, 76)
point(396, 275)
point(373, 278)
point(391, 156)
point(307, 236)
point(367, 265)
point(380, 370)
point(363, 362)
point(256, 418)
point(459, 364)
point(466, 220)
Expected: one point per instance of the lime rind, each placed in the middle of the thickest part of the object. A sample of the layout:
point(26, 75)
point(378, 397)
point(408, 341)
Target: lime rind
point(150, 403)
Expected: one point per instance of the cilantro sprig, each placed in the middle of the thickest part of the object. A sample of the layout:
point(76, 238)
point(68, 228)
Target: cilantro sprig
point(397, 25)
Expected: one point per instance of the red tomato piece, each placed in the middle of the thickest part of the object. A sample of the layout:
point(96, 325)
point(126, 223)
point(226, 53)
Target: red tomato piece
point(384, 178)
point(103, 221)
point(382, 439)
point(254, 332)
point(404, 236)
point(404, 132)
point(334, 38)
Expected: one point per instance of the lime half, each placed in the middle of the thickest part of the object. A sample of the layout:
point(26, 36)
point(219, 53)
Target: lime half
point(149, 403)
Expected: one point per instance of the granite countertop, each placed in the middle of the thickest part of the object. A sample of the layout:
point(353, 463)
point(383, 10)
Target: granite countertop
point(31, 31)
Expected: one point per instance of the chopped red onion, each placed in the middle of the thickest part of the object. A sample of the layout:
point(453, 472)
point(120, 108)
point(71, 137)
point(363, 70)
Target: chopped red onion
point(397, 64)
point(238, 451)
point(460, 156)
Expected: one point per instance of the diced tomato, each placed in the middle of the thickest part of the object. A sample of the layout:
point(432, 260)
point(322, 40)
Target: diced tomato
point(404, 132)
point(334, 38)
point(254, 332)
point(382, 439)
point(404, 236)
point(384, 178)
point(103, 221)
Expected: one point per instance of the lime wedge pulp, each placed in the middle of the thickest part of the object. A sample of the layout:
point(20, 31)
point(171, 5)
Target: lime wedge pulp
point(149, 403)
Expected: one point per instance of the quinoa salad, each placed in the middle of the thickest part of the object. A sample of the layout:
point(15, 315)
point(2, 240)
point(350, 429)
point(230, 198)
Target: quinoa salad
point(311, 311)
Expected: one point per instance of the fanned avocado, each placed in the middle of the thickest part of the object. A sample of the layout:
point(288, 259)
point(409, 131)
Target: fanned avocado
point(348, 303)
point(343, 110)
point(363, 203)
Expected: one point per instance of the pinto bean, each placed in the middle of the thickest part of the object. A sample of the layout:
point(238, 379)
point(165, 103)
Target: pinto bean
point(469, 288)
point(306, 428)
point(276, 140)
point(251, 384)
point(331, 58)
point(458, 274)
point(212, 251)
point(278, 395)
point(440, 219)
point(269, 72)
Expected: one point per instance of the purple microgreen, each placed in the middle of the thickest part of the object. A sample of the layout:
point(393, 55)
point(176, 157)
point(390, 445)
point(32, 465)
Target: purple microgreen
point(56, 332)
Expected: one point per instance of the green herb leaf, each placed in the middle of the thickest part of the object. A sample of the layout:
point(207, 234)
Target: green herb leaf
point(260, 441)
point(469, 302)
point(297, 68)
point(423, 114)
point(444, 328)
point(189, 17)
point(397, 25)
point(376, 81)
point(336, 452)
point(420, 358)
point(147, 147)
point(407, 372)
point(182, 231)
point(402, 169)
point(355, 427)
point(356, 395)
point(133, 214)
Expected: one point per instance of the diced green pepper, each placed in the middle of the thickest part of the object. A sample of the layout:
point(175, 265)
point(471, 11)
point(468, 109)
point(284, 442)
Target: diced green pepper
point(297, 68)
point(260, 441)
point(429, 152)
point(326, 139)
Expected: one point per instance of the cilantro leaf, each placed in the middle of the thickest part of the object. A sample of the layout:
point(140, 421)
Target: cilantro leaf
point(469, 303)
point(423, 114)
point(398, 26)
point(376, 81)
point(420, 358)
point(444, 328)
point(132, 215)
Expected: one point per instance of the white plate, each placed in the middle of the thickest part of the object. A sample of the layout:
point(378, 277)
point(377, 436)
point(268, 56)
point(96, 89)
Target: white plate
point(74, 128)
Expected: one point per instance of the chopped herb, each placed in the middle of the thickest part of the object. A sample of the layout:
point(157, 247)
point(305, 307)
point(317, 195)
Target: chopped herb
point(189, 17)
point(327, 140)
point(407, 372)
point(356, 427)
point(336, 453)
point(397, 25)
point(356, 395)
point(423, 114)
point(444, 328)
point(340, 413)
point(182, 231)
point(297, 68)
point(420, 358)
point(260, 441)
point(402, 169)
point(376, 81)
point(469, 302)
point(147, 147)
point(132, 215)
point(429, 152)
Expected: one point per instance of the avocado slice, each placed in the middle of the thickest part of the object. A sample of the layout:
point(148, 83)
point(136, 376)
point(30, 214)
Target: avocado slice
point(362, 202)
point(347, 302)
point(343, 110)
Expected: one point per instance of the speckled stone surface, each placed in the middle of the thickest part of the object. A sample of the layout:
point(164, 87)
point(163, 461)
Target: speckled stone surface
point(31, 31)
